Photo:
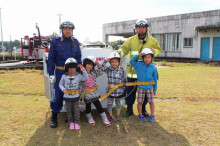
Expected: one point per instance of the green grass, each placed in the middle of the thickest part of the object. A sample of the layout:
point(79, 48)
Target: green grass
point(189, 81)
point(25, 112)
point(27, 82)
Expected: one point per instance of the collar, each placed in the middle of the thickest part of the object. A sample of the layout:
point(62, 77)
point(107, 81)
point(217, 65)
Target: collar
point(141, 40)
point(64, 38)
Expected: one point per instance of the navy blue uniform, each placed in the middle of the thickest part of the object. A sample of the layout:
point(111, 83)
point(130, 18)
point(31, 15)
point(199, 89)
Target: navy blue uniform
point(61, 49)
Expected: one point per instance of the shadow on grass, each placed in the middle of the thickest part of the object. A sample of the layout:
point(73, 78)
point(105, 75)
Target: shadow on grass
point(128, 132)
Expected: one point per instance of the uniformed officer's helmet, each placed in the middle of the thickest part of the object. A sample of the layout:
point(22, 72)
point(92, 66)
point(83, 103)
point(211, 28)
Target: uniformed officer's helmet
point(141, 23)
point(67, 24)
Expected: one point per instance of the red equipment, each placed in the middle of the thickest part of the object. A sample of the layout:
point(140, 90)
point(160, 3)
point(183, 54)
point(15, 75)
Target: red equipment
point(34, 47)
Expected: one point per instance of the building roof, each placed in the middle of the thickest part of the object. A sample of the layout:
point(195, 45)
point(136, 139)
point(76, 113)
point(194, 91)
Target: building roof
point(198, 28)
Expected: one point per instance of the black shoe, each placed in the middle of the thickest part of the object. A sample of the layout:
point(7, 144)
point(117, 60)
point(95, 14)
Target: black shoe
point(53, 123)
point(129, 111)
point(145, 113)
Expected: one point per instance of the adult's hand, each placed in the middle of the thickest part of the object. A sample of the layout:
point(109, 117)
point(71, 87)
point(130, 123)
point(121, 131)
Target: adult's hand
point(152, 50)
point(52, 79)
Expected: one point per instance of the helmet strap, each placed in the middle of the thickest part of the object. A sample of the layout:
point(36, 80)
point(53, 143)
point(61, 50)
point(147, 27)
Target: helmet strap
point(142, 35)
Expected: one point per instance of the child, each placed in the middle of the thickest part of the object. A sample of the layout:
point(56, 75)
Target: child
point(69, 84)
point(115, 76)
point(91, 94)
point(146, 72)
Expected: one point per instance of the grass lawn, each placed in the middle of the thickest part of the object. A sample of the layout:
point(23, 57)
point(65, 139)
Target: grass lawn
point(194, 120)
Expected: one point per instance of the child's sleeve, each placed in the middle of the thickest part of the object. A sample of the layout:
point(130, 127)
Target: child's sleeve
point(133, 61)
point(61, 83)
point(155, 79)
point(85, 75)
point(104, 66)
point(98, 71)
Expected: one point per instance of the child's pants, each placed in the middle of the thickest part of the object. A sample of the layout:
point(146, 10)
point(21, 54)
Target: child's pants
point(73, 112)
point(111, 101)
point(97, 105)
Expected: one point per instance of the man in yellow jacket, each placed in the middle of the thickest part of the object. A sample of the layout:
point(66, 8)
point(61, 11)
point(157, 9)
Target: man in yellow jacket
point(133, 46)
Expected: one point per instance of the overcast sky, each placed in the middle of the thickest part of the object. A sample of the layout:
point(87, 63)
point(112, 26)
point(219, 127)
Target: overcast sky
point(20, 16)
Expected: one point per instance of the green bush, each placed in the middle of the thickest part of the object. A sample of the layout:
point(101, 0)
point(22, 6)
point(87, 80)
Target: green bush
point(164, 63)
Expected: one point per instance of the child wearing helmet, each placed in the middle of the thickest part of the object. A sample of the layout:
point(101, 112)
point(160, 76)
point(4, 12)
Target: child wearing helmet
point(146, 72)
point(91, 90)
point(115, 76)
point(69, 85)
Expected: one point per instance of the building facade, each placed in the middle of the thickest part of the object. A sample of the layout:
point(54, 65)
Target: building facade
point(192, 35)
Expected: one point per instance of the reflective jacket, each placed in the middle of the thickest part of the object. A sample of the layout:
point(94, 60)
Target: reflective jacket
point(60, 50)
point(133, 46)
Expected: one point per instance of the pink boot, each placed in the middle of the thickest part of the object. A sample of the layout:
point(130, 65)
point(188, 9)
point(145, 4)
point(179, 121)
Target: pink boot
point(72, 127)
point(77, 127)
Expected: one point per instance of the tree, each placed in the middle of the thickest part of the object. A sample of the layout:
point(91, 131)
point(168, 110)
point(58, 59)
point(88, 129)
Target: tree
point(10, 44)
point(97, 43)
point(115, 44)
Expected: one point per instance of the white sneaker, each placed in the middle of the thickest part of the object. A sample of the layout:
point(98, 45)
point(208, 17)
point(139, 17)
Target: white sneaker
point(106, 122)
point(92, 121)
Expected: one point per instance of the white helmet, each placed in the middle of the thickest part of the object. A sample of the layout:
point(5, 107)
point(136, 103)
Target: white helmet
point(147, 51)
point(114, 55)
point(70, 60)
point(141, 23)
point(91, 58)
point(70, 63)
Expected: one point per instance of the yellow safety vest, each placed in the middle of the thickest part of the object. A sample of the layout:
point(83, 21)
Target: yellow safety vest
point(133, 45)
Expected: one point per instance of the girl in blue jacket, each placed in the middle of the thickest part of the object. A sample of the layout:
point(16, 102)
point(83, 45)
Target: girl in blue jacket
point(146, 72)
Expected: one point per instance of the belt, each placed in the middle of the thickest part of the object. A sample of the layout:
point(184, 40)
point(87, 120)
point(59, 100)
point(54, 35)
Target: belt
point(70, 92)
point(60, 67)
point(111, 85)
point(89, 91)
point(126, 84)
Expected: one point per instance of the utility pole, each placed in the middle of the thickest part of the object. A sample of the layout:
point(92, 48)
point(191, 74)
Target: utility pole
point(10, 47)
point(60, 20)
point(3, 49)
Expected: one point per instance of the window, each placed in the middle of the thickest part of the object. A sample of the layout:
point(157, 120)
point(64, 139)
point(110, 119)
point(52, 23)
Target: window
point(188, 42)
point(169, 41)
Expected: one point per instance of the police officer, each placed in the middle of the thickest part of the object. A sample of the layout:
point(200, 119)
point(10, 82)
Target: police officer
point(133, 46)
point(61, 48)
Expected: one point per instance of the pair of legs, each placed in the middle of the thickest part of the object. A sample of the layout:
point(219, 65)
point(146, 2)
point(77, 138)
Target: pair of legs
point(117, 103)
point(142, 95)
point(73, 112)
point(57, 103)
point(131, 91)
point(100, 110)
point(139, 107)
point(97, 105)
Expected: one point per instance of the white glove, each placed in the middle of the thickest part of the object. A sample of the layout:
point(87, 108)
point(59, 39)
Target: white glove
point(52, 79)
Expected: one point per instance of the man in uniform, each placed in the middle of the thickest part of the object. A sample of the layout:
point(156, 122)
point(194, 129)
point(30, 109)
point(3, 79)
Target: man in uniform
point(61, 48)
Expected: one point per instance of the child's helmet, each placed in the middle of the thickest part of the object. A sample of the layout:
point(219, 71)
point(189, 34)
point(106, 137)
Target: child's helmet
point(70, 63)
point(147, 51)
point(114, 55)
point(89, 60)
